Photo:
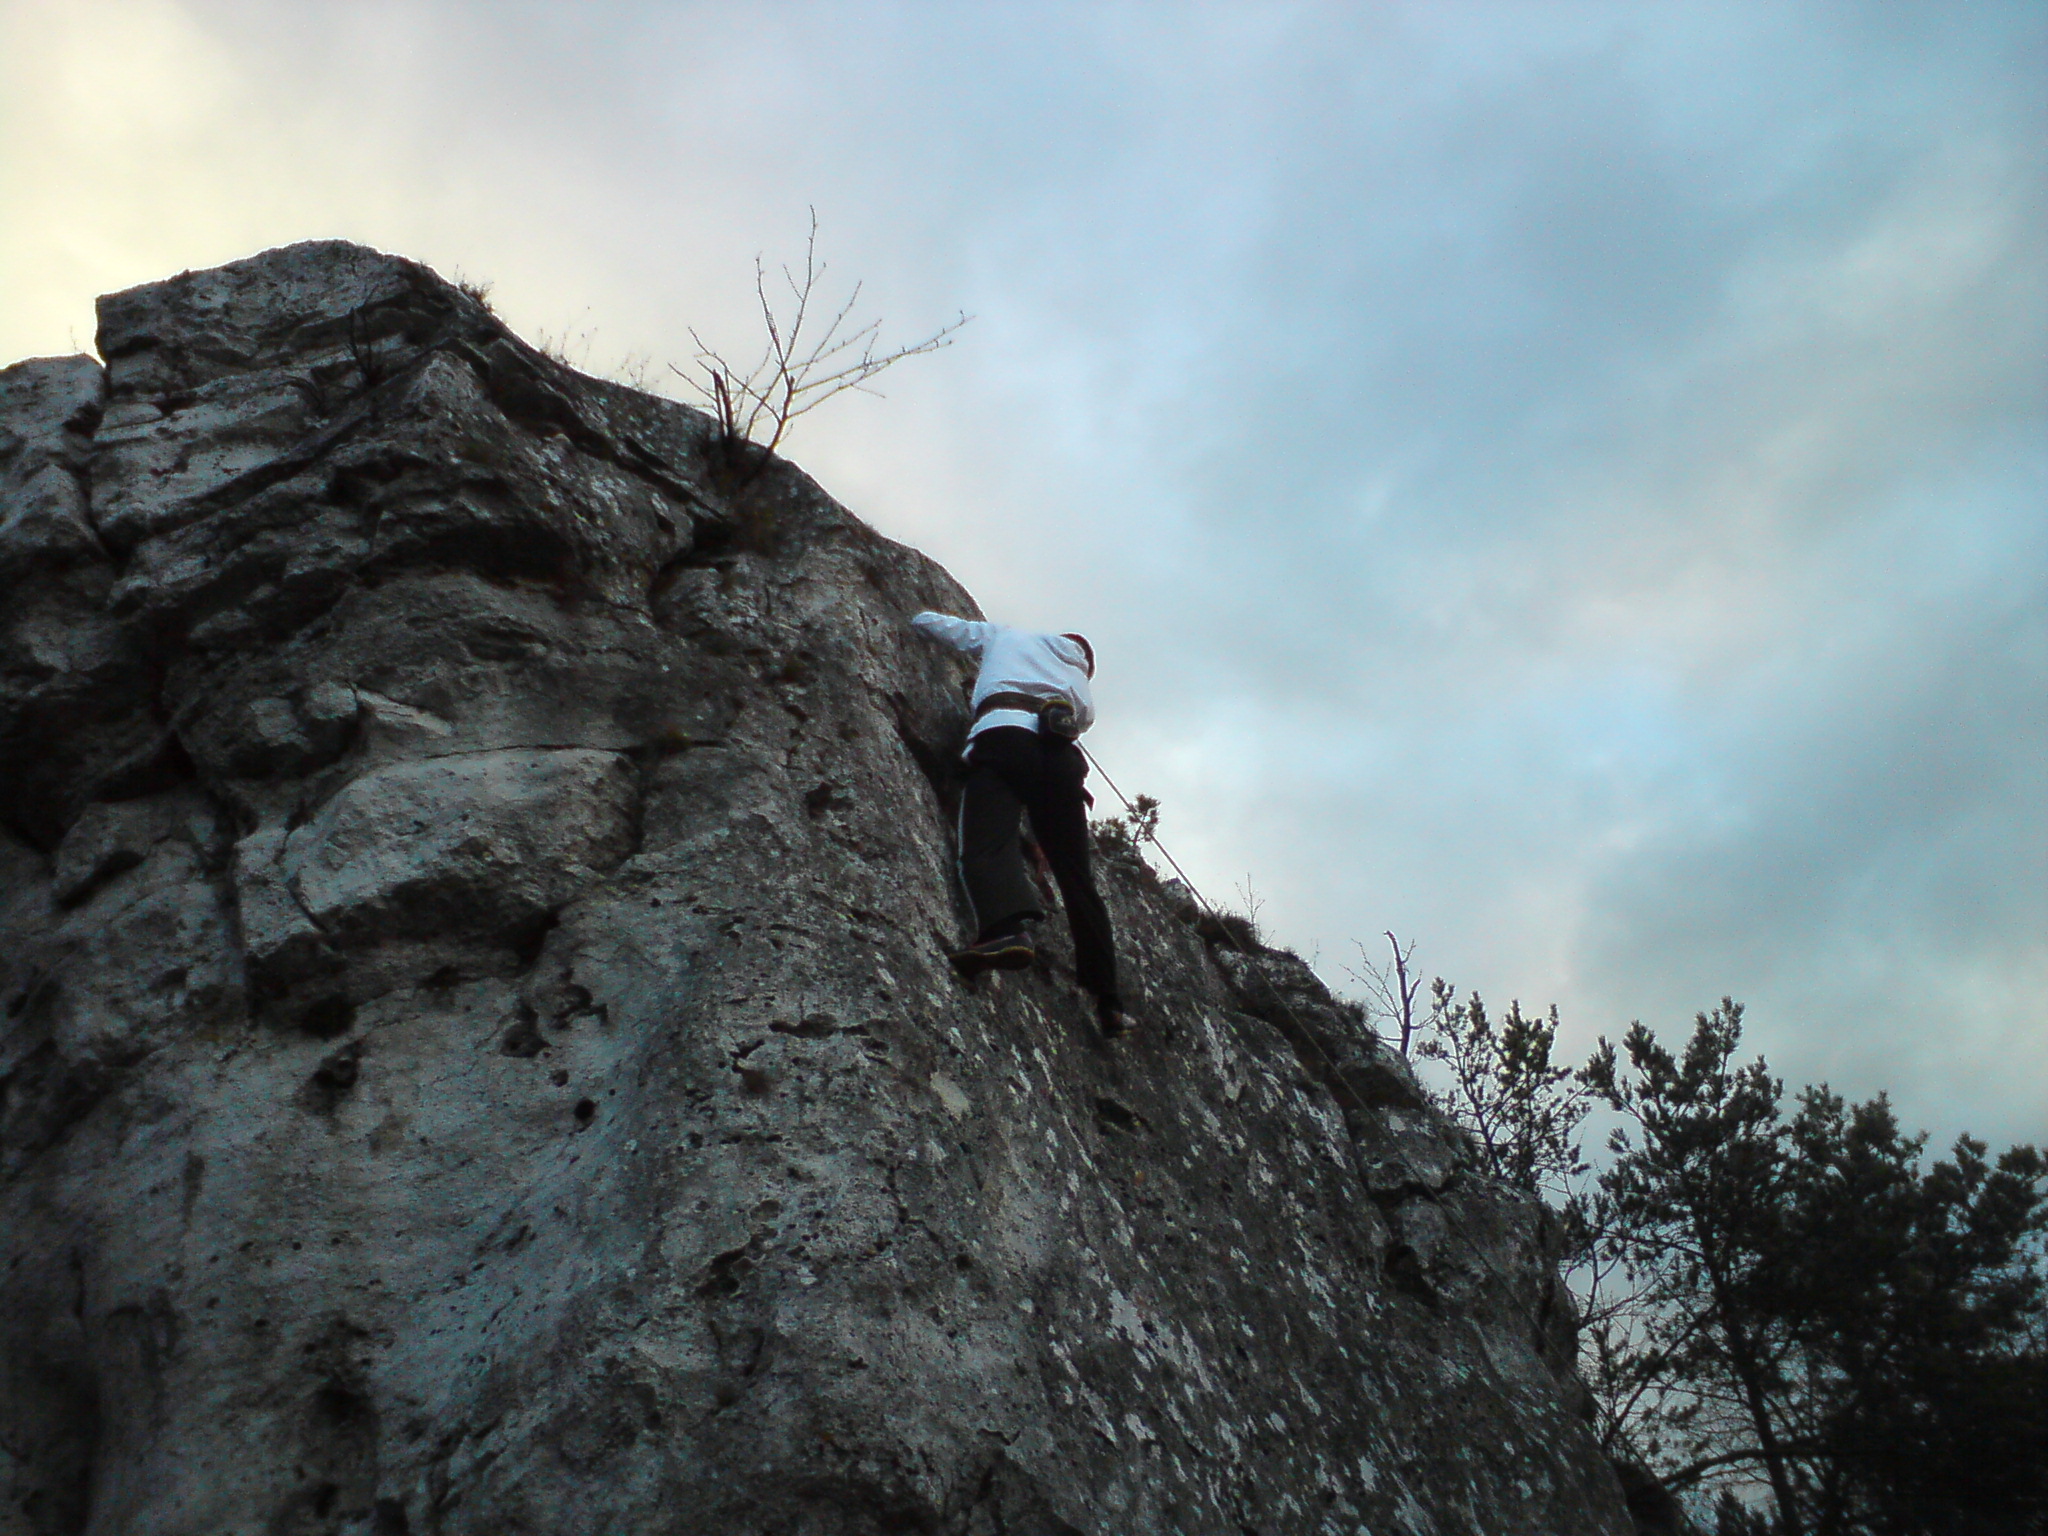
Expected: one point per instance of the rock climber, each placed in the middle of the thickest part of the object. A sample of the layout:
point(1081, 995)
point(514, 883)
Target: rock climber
point(1031, 704)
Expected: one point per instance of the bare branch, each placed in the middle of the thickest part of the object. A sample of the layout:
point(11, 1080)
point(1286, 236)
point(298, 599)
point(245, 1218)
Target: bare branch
point(1393, 987)
point(801, 366)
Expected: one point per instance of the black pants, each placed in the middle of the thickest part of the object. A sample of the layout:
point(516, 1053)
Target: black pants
point(1012, 768)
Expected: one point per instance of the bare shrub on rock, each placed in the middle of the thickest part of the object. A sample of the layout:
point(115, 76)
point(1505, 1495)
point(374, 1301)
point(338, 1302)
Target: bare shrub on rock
point(805, 360)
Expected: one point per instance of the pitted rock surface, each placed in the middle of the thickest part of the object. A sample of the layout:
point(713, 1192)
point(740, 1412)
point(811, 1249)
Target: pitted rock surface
point(477, 1053)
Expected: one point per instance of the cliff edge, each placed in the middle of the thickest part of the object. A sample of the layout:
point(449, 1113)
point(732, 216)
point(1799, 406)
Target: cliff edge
point(477, 1053)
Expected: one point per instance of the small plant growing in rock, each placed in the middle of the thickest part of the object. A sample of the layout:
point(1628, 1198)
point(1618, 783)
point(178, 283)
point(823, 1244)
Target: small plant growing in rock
point(1130, 832)
point(476, 292)
point(1524, 1107)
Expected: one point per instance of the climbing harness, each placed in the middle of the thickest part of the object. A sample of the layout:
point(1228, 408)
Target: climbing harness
point(1056, 717)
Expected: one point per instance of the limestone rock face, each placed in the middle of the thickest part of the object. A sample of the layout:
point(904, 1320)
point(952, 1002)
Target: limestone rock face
point(477, 1053)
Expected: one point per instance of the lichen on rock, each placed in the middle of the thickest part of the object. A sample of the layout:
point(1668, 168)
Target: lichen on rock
point(477, 1052)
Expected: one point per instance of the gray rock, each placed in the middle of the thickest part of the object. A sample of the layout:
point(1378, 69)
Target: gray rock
point(280, 941)
point(43, 523)
point(74, 707)
point(141, 952)
point(77, 717)
point(484, 843)
point(108, 839)
point(321, 304)
point(477, 1051)
point(49, 408)
point(153, 467)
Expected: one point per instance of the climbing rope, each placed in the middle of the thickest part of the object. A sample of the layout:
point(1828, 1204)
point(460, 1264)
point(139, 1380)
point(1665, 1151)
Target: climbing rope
point(1152, 836)
point(1332, 1076)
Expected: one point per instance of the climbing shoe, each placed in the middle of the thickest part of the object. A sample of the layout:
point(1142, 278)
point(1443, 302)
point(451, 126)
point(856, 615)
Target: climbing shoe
point(1111, 1019)
point(1010, 953)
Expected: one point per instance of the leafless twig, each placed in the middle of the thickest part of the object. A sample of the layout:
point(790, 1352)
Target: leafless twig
point(1393, 987)
point(801, 365)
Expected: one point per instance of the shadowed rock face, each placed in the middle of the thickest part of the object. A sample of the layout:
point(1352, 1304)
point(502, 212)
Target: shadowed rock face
point(476, 1048)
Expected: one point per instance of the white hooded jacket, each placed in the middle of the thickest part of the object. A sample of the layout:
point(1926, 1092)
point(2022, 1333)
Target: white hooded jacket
point(1016, 661)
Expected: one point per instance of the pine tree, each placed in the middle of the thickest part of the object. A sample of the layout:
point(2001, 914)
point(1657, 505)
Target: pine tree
point(1813, 1310)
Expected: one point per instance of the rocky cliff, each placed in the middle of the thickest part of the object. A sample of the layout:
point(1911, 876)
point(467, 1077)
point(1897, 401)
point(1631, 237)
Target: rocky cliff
point(476, 1047)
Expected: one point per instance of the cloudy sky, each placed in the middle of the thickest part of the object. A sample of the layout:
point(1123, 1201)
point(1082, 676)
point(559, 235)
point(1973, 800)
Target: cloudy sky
point(1564, 482)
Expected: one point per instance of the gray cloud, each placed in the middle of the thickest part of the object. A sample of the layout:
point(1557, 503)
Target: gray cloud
point(1562, 481)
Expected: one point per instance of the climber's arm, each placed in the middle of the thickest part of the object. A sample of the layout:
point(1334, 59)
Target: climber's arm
point(966, 635)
